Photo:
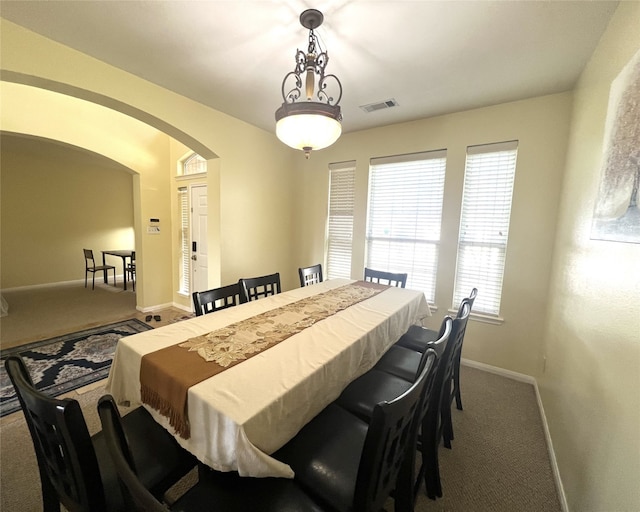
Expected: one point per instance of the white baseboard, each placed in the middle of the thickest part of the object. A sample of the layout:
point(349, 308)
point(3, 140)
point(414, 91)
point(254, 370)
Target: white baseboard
point(158, 307)
point(147, 309)
point(531, 380)
point(45, 285)
point(188, 309)
point(119, 277)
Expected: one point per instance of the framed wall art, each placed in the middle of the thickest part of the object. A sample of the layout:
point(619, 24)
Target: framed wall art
point(617, 209)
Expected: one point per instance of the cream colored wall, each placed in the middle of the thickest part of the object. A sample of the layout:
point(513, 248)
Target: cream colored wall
point(541, 127)
point(591, 386)
point(253, 175)
point(132, 144)
point(55, 201)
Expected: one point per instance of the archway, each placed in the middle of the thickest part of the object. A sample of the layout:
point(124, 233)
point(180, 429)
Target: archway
point(123, 139)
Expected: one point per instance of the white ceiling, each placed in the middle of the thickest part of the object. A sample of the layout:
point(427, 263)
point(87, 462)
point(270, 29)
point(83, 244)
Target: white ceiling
point(433, 57)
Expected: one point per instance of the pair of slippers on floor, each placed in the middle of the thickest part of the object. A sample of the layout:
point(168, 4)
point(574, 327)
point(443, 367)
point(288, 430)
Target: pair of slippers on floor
point(155, 317)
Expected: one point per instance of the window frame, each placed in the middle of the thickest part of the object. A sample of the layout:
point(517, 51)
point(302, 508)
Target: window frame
point(407, 193)
point(201, 166)
point(489, 179)
point(340, 220)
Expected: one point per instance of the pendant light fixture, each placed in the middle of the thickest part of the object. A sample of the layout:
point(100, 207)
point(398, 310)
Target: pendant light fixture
point(309, 118)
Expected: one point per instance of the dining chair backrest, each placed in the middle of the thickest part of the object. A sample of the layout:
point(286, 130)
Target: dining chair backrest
point(472, 297)
point(390, 278)
point(254, 288)
point(450, 386)
point(393, 432)
point(136, 495)
point(67, 462)
point(216, 299)
point(214, 490)
point(439, 345)
point(455, 382)
point(88, 258)
point(90, 266)
point(130, 269)
point(310, 275)
point(455, 342)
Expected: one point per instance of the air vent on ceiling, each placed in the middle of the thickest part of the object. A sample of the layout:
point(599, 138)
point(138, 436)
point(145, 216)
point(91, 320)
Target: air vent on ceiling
point(372, 107)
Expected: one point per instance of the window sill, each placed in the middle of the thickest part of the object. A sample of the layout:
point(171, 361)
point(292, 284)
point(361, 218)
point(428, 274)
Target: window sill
point(188, 177)
point(480, 317)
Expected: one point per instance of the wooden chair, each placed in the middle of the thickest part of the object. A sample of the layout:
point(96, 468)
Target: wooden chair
point(310, 275)
point(130, 270)
point(216, 299)
point(213, 491)
point(451, 389)
point(390, 362)
point(75, 468)
point(389, 278)
point(418, 338)
point(377, 385)
point(90, 266)
point(354, 465)
point(255, 287)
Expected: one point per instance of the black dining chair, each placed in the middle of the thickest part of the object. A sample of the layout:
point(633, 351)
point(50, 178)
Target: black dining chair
point(90, 266)
point(354, 465)
point(399, 364)
point(75, 468)
point(397, 279)
point(253, 288)
point(216, 299)
point(399, 359)
point(130, 270)
point(376, 385)
point(310, 275)
point(214, 490)
point(418, 338)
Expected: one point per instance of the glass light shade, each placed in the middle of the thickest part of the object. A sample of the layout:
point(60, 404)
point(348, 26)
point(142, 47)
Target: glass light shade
point(308, 125)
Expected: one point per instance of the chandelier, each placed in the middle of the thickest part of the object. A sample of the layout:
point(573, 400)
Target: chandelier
point(307, 122)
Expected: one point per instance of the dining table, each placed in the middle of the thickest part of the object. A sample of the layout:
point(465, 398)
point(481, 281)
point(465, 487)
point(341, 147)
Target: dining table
point(120, 253)
point(235, 385)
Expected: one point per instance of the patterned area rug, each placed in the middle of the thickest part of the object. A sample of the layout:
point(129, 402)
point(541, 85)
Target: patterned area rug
point(67, 362)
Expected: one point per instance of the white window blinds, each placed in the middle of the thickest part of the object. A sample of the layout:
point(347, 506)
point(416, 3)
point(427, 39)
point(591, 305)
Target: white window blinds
point(404, 217)
point(342, 178)
point(484, 224)
point(183, 270)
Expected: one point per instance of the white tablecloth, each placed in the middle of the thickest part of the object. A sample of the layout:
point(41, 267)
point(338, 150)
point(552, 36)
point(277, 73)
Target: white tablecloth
point(250, 410)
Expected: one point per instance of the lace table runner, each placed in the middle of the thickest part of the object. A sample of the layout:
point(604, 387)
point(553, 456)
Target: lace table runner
point(167, 374)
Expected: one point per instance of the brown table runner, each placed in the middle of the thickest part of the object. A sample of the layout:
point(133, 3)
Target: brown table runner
point(167, 374)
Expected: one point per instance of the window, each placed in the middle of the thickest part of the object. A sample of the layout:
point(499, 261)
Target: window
point(183, 270)
point(194, 164)
point(484, 224)
point(342, 179)
point(404, 217)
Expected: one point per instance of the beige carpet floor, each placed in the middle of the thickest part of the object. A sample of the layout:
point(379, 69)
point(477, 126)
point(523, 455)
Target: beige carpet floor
point(40, 313)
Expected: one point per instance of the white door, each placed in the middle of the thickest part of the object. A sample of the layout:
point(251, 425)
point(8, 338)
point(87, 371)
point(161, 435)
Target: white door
point(199, 257)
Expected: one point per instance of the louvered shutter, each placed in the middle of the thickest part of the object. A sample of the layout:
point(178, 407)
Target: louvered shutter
point(183, 201)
